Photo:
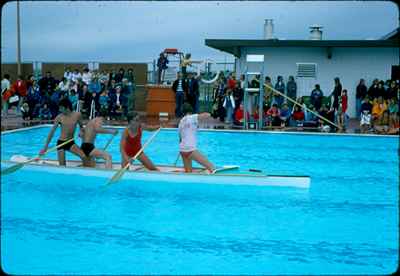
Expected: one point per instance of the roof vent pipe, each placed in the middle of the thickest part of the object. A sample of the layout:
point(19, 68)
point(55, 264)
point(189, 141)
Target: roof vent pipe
point(268, 29)
point(315, 32)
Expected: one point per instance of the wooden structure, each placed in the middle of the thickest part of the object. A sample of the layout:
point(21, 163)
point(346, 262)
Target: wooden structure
point(160, 98)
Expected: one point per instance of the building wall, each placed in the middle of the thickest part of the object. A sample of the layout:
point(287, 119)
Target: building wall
point(349, 64)
point(57, 69)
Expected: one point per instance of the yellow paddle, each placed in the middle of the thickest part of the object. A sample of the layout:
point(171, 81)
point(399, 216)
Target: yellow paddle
point(109, 141)
point(117, 176)
point(18, 166)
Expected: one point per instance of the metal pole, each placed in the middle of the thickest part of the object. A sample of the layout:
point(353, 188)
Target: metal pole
point(18, 42)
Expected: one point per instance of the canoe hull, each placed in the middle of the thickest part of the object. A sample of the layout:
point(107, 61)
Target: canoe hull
point(170, 175)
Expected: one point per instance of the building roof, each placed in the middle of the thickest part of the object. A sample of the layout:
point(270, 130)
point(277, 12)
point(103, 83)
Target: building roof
point(392, 35)
point(233, 46)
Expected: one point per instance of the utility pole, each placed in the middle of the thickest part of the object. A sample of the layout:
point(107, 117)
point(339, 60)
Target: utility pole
point(18, 42)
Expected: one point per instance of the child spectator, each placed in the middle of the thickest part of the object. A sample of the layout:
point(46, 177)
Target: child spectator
point(298, 116)
point(273, 116)
point(381, 126)
point(25, 111)
point(229, 105)
point(73, 98)
point(239, 115)
point(285, 115)
point(45, 113)
point(103, 101)
point(378, 107)
point(393, 111)
point(365, 121)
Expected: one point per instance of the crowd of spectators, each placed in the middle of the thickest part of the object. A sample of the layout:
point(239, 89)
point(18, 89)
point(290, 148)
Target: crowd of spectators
point(110, 94)
point(377, 107)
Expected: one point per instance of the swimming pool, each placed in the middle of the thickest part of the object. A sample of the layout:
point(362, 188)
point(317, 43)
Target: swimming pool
point(346, 223)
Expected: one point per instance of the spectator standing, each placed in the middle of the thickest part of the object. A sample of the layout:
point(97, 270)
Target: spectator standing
point(341, 114)
point(391, 91)
point(280, 86)
point(337, 90)
point(180, 88)
point(5, 86)
point(193, 92)
point(162, 66)
point(47, 84)
point(373, 91)
point(20, 89)
point(316, 97)
point(229, 105)
point(291, 88)
point(361, 93)
point(184, 64)
point(119, 76)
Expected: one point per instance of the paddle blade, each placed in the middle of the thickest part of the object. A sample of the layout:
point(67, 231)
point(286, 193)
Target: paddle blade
point(117, 176)
point(12, 169)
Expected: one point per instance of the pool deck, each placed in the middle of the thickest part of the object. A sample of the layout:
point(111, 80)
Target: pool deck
point(14, 121)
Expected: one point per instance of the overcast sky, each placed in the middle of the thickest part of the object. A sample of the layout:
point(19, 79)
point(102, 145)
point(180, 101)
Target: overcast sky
point(139, 31)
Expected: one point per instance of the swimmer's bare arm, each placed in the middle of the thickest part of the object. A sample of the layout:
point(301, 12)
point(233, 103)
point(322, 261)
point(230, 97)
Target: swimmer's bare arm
point(80, 123)
point(57, 120)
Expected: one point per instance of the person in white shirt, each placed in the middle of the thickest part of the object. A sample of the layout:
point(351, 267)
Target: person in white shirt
point(187, 137)
point(5, 85)
point(63, 85)
point(68, 74)
point(76, 75)
point(86, 76)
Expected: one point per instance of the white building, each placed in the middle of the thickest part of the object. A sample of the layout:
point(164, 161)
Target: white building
point(318, 61)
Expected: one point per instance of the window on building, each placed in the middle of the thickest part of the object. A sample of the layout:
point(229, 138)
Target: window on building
point(306, 70)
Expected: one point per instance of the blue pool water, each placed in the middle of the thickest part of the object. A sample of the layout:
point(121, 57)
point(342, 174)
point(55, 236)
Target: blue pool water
point(346, 223)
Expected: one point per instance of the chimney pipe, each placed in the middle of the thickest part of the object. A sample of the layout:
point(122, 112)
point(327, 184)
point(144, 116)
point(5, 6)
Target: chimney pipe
point(315, 32)
point(268, 29)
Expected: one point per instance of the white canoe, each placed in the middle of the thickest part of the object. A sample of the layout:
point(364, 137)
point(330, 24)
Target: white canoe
point(167, 174)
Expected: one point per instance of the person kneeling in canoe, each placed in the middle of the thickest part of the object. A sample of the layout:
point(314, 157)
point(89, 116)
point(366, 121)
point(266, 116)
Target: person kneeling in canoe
point(131, 143)
point(90, 131)
point(68, 121)
point(187, 138)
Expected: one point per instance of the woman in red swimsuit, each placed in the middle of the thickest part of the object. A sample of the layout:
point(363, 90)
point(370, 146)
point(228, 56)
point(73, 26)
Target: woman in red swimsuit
point(131, 143)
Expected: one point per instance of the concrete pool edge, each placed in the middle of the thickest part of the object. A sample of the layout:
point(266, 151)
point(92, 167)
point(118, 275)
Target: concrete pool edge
point(228, 131)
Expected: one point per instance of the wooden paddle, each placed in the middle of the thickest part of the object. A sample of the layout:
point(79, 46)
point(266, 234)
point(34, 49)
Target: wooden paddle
point(109, 141)
point(117, 176)
point(177, 158)
point(18, 166)
point(225, 168)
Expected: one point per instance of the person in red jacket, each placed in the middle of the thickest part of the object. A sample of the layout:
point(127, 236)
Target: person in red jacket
point(20, 89)
point(341, 113)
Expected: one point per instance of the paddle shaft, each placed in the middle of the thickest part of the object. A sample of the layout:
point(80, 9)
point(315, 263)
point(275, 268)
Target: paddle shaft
point(119, 174)
point(109, 141)
point(20, 165)
point(142, 149)
point(296, 103)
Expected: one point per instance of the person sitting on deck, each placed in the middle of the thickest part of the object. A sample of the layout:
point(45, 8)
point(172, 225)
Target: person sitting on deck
point(68, 121)
point(92, 128)
point(187, 137)
point(131, 143)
